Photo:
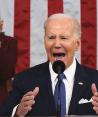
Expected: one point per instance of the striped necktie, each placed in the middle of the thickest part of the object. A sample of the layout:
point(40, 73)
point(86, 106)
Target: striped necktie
point(60, 96)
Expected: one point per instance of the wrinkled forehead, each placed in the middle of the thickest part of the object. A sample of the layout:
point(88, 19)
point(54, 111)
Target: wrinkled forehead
point(60, 17)
point(57, 24)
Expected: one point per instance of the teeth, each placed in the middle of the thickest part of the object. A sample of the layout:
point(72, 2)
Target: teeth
point(58, 58)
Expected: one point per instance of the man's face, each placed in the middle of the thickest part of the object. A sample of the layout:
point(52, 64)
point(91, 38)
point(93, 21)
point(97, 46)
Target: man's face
point(60, 41)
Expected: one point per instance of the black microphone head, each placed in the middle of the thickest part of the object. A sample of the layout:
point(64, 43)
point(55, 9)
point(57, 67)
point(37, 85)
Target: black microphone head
point(58, 66)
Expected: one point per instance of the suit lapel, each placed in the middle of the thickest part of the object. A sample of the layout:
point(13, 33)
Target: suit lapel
point(48, 90)
point(51, 97)
point(79, 87)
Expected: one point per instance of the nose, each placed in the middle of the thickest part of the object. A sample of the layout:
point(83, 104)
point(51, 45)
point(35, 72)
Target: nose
point(57, 43)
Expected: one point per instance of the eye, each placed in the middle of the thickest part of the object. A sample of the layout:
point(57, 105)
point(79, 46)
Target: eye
point(51, 37)
point(63, 37)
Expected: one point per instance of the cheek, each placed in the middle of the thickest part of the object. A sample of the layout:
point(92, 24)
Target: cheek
point(70, 47)
point(47, 47)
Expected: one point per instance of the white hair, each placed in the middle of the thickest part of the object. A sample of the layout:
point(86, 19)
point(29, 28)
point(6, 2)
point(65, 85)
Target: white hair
point(77, 26)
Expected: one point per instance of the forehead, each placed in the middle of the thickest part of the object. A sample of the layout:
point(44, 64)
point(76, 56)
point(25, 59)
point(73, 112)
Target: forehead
point(64, 24)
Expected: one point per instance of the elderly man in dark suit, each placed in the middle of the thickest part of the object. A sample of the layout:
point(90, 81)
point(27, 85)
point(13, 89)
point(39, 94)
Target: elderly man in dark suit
point(33, 89)
point(8, 58)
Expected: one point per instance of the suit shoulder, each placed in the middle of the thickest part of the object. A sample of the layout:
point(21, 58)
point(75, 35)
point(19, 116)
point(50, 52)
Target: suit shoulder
point(90, 72)
point(88, 69)
point(35, 70)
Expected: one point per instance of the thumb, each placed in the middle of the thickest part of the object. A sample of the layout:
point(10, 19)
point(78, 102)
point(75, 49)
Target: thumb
point(93, 88)
point(35, 91)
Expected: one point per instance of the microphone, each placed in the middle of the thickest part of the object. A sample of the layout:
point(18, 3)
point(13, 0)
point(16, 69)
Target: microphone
point(58, 67)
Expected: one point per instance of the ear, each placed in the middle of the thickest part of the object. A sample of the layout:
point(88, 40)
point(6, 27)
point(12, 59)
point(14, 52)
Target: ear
point(78, 44)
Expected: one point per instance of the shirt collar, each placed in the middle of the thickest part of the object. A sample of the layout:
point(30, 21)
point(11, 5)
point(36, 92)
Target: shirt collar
point(69, 72)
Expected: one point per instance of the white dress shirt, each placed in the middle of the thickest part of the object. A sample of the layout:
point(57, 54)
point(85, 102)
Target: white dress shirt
point(68, 81)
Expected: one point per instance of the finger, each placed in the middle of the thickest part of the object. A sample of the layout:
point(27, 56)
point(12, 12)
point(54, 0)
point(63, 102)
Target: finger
point(29, 103)
point(35, 91)
point(27, 98)
point(28, 93)
point(95, 103)
point(95, 97)
point(25, 106)
point(30, 96)
point(21, 110)
point(29, 108)
point(93, 88)
point(96, 109)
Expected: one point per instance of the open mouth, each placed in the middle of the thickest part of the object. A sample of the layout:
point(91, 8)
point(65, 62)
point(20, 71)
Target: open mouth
point(58, 55)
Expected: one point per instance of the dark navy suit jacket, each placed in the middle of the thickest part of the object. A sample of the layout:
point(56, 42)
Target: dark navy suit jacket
point(40, 76)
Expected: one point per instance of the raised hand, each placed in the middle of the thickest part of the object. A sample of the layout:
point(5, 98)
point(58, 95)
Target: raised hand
point(26, 102)
point(95, 98)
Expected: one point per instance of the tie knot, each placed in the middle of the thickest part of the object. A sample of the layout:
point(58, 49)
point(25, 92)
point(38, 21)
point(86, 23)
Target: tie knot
point(61, 76)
